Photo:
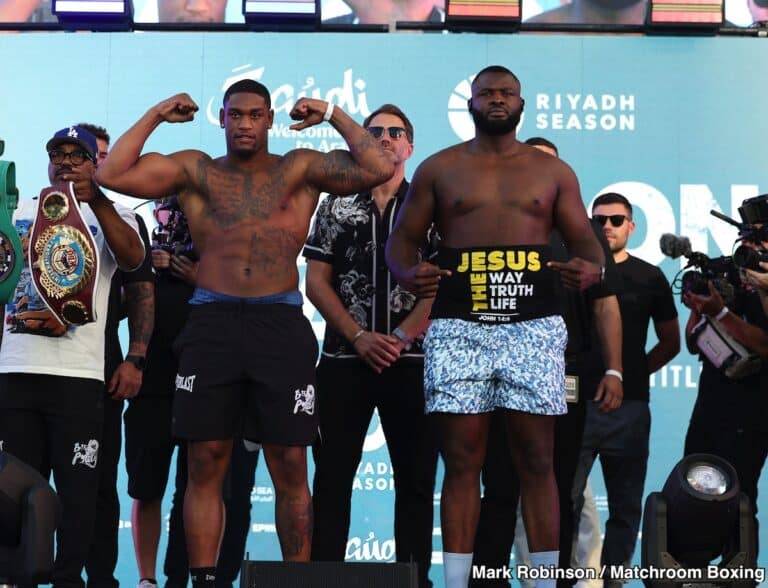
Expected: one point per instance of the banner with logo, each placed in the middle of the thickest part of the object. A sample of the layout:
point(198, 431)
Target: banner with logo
point(675, 124)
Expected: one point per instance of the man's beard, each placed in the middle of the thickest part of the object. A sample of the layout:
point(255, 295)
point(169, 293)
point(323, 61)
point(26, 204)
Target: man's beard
point(495, 127)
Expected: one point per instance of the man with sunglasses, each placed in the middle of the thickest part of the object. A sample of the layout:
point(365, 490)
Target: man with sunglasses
point(496, 340)
point(52, 387)
point(621, 437)
point(372, 358)
point(247, 353)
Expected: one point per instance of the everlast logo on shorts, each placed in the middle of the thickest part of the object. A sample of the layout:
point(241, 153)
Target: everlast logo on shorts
point(496, 277)
point(185, 382)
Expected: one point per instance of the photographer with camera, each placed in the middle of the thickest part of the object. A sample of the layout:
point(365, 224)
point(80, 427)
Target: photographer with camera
point(730, 417)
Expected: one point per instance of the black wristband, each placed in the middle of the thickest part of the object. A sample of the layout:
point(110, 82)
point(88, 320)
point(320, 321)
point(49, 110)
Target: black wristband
point(138, 360)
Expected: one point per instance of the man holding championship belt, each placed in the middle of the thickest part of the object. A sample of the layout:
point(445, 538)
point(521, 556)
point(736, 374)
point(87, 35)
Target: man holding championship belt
point(51, 387)
point(496, 339)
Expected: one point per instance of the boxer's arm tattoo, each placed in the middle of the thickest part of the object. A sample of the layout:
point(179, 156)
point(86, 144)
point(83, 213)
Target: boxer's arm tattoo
point(342, 171)
point(140, 300)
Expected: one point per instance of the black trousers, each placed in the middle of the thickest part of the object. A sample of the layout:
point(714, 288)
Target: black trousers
point(238, 486)
point(495, 533)
point(348, 391)
point(102, 556)
point(53, 423)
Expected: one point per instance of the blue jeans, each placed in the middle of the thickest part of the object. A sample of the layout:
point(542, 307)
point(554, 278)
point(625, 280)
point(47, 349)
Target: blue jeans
point(621, 440)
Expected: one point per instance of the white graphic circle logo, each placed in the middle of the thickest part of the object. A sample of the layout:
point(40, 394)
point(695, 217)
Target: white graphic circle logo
point(458, 114)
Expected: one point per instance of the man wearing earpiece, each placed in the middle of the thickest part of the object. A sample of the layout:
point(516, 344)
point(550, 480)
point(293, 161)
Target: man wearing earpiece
point(496, 340)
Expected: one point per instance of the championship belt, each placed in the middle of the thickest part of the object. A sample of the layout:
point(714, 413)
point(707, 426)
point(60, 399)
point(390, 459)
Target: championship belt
point(11, 255)
point(64, 257)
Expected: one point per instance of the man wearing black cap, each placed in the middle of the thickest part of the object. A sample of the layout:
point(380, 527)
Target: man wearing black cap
point(51, 395)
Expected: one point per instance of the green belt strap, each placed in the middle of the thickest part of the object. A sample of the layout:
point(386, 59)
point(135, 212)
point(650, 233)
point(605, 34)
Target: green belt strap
point(11, 255)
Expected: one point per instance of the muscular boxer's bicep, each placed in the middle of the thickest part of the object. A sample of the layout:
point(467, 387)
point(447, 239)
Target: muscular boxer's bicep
point(152, 176)
point(570, 217)
point(418, 212)
point(413, 222)
point(339, 172)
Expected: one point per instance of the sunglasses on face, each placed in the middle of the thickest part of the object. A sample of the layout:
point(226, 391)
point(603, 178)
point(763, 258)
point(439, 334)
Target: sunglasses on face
point(76, 157)
point(616, 219)
point(393, 132)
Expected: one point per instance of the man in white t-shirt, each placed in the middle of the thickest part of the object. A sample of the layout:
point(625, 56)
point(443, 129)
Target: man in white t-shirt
point(51, 380)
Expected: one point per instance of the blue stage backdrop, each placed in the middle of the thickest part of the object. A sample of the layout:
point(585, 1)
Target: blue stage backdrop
point(676, 124)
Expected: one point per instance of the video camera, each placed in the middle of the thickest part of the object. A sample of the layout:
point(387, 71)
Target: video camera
point(753, 229)
point(172, 231)
point(721, 271)
point(711, 338)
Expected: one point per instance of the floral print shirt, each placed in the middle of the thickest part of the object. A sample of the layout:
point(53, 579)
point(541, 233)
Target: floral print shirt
point(349, 233)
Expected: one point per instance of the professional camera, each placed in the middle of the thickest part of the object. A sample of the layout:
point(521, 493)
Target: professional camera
point(753, 229)
point(721, 271)
point(710, 336)
point(172, 231)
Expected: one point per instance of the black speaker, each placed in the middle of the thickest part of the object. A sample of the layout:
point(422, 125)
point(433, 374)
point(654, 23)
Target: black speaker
point(327, 574)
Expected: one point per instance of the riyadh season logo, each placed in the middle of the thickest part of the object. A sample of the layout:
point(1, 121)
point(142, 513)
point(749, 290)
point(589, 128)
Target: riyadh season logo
point(566, 111)
point(458, 114)
point(349, 93)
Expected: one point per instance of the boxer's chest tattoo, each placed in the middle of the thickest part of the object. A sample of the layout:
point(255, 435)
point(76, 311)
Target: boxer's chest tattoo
point(233, 195)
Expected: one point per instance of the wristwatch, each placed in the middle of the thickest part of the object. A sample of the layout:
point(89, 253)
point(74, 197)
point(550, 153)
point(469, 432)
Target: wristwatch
point(138, 360)
point(400, 334)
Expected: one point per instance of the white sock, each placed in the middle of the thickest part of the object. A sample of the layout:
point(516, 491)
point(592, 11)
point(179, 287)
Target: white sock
point(545, 559)
point(456, 568)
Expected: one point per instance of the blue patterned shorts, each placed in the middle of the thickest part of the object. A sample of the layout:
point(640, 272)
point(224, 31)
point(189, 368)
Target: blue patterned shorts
point(472, 367)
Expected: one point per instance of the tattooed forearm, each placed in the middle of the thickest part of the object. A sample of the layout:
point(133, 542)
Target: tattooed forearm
point(293, 522)
point(140, 300)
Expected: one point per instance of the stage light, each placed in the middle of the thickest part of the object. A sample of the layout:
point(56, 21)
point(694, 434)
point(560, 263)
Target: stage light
point(288, 15)
point(96, 15)
point(699, 516)
point(29, 514)
point(483, 16)
point(693, 17)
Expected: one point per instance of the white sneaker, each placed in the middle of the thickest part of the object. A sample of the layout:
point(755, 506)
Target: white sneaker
point(146, 584)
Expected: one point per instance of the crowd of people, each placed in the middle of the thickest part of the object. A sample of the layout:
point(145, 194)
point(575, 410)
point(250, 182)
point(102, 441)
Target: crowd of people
point(479, 308)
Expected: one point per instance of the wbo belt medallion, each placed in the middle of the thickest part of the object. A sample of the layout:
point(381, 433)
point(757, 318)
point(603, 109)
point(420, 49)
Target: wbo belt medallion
point(64, 256)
